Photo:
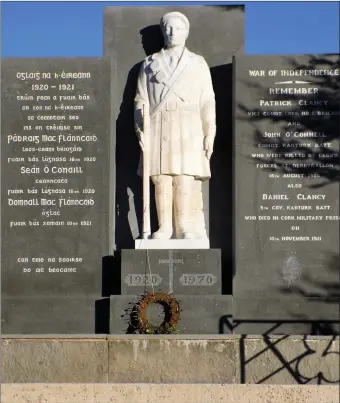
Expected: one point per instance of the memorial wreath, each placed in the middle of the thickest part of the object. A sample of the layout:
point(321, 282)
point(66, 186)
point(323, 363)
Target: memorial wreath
point(171, 313)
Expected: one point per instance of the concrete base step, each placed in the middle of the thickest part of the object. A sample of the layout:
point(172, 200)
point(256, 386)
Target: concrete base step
point(167, 393)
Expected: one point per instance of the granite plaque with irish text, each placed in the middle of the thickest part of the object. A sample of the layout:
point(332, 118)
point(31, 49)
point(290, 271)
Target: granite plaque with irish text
point(286, 188)
point(57, 192)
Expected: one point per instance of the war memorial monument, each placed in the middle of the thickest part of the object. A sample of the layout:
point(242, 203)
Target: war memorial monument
point(173, 187)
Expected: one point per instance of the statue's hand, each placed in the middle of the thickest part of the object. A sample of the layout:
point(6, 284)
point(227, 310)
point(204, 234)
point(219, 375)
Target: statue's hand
point(208, 146)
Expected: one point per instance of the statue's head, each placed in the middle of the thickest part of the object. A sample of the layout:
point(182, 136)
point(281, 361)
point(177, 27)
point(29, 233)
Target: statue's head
point(175, 27)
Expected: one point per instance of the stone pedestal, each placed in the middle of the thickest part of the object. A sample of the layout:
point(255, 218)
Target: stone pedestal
point(193, 276)
point(185, 272)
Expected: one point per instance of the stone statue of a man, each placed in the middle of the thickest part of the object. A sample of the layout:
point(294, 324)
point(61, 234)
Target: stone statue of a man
point(176, 88)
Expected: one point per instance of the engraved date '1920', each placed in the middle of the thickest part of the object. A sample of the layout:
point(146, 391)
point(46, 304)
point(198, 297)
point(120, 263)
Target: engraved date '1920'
point(135, 280)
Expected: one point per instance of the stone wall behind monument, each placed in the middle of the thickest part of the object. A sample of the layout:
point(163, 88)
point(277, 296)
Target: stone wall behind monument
point(216, 33)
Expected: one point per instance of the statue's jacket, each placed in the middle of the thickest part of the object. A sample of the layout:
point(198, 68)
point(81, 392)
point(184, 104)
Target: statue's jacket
point(181, 106)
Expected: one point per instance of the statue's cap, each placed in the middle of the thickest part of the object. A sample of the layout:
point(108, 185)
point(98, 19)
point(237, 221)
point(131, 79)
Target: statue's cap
point(174, 14)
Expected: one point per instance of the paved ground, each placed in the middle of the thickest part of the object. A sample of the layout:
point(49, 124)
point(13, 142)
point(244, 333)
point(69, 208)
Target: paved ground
point(162, 393)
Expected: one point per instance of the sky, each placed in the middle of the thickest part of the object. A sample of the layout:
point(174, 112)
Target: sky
point(71, 29)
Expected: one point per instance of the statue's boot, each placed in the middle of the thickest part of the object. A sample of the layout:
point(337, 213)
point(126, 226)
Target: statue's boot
point(163, 196)
point(183, 207)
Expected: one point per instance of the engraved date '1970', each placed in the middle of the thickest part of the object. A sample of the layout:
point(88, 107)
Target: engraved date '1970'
point(198, 279)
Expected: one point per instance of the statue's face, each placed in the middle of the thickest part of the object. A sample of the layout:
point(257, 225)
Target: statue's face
point(175, 32)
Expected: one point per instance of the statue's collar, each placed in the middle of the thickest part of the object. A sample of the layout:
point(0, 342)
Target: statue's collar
point(160, 67)
point(178, 51)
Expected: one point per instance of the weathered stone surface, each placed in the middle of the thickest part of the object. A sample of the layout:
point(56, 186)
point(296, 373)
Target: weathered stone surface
point(286, 153)
point(199, 315)
point(172, 361)
point(279, 360)
point(54, 360)
point(184, 272)
point(122, 393)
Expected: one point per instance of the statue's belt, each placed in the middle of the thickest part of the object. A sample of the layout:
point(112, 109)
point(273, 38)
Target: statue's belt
point(171, 106)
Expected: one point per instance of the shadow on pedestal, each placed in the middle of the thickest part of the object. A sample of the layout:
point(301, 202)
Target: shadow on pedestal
point(221, 182)
point(111, 280)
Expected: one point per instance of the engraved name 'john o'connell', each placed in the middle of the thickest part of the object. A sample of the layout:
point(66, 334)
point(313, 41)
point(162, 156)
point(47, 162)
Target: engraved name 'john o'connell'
point(198, 279)
point(135, 280)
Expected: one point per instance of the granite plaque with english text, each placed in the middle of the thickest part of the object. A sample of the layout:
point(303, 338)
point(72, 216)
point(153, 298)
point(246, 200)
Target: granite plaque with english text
point(286, 188)
point(57, 192)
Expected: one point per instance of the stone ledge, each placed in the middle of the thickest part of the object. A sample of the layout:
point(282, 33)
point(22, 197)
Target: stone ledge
point(172, 360)
point(170, 337)
point(160, 393)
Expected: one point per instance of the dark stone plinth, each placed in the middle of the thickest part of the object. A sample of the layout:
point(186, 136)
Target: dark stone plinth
point(299, 327)
point(286, 188)
point(185, 272)
point(286, 315)
point(200, 315)
point(49, 315)
point(267, 313)
point(57, 155)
